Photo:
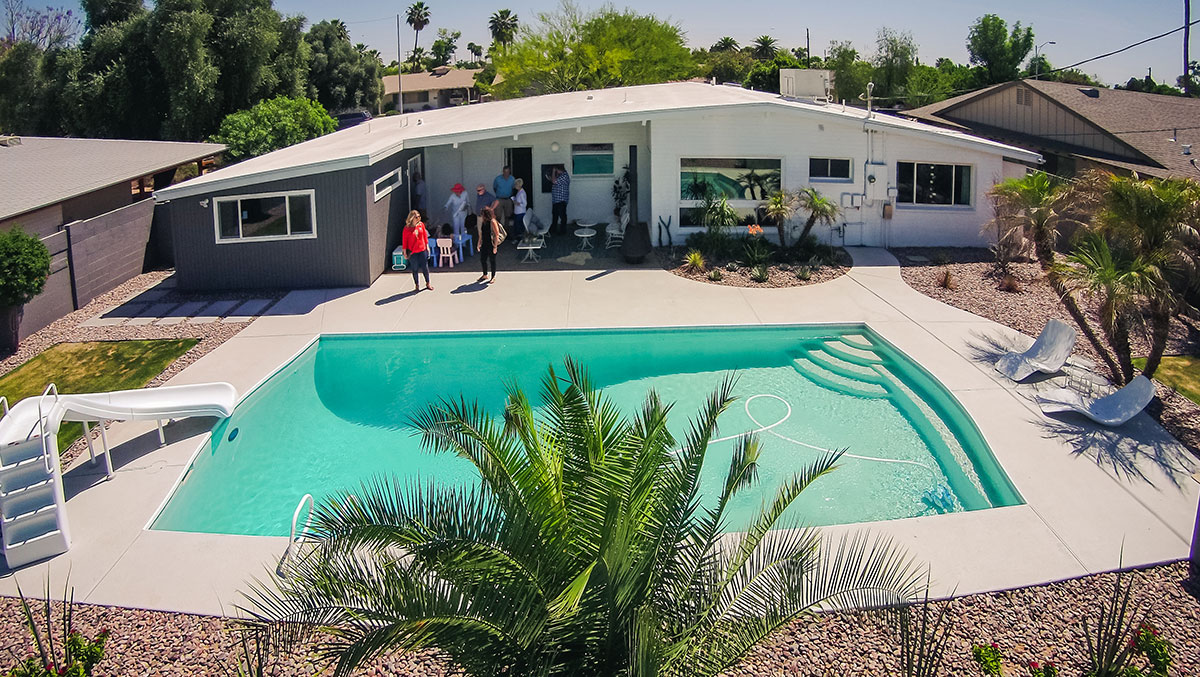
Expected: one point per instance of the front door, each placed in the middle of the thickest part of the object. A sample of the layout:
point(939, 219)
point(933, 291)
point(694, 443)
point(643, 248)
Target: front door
point(521, 161)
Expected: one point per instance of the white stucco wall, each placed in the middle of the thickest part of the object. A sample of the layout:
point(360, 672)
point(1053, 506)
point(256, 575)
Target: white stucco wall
point(794, 137)
point(478, 162)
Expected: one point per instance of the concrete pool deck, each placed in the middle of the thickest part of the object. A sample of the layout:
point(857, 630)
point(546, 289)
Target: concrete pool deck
point(1096, 499)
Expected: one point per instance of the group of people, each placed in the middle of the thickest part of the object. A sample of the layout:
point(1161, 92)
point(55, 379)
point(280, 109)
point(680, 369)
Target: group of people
point(491, 211)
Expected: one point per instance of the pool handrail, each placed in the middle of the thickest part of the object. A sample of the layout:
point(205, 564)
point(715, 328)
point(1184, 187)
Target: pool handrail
point(46, 453)
point(293, 540)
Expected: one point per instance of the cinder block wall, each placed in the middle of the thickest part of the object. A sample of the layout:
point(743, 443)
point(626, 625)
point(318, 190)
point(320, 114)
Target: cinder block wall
point(55, 300)
point(109, 249)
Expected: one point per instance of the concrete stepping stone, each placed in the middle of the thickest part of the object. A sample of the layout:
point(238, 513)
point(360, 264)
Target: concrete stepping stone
point(152, 313)
point(214, 312)
point(152, 295)
point(181, 313)
point(248, 310)
point(115, 316)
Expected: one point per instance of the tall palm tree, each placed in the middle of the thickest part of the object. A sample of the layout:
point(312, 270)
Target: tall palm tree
point(503, 25)
point(764, 48)
point(340, 30)
point(819, 208)
point(585, 550)
point(418, 18)
point(476, 50)
point(1157, 221)
point(725, 44)
point(1037, 205)
point(779, 207)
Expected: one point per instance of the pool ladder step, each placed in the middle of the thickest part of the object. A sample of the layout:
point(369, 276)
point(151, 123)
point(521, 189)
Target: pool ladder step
point(831, 380)
point(852, 353)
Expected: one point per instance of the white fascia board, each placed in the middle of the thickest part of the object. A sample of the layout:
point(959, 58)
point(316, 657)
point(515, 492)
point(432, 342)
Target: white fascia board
point(198, 186)
point(962, 140)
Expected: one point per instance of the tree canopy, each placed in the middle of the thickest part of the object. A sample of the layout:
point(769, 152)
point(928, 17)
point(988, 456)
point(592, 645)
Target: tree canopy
point(271, 125)
point(764, 76)
point(342, 76)
point(571, 50)
point(998, 51)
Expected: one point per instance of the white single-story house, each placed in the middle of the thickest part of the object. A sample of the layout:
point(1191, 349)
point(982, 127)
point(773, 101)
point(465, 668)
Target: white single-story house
point(327, 212)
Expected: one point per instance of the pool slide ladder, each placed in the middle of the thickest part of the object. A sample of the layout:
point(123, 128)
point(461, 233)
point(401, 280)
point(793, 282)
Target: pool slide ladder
point(33, 517)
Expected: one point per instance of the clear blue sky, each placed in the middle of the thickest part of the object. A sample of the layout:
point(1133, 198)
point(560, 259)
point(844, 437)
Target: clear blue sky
point(1081, 28)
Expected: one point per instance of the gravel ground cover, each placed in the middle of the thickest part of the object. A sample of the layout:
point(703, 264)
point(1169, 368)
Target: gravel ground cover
point(975, 288)
point(1039, 623)
point(778, 275)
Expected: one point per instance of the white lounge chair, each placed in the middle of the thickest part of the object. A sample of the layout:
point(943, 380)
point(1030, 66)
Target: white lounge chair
point(1048, 353)
point(1110, 410)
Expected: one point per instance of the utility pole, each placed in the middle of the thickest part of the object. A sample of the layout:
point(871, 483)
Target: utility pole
point(399, 70)
point(808, 51)
point(1187, 36)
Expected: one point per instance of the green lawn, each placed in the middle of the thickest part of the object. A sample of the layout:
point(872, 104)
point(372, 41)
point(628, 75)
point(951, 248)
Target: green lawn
point(89, 368)
point(1181, 372)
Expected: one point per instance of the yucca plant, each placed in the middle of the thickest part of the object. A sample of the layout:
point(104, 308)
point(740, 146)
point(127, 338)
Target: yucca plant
point(1111, 642)
point(586, 549)
point(694, 262)
point(923, 636)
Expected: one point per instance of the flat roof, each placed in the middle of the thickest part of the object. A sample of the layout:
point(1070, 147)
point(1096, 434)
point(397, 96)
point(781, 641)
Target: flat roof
point(367, 143)
point(43, 171)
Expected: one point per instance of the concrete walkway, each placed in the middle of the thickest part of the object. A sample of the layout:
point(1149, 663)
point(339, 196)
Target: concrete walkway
point(1095, 498)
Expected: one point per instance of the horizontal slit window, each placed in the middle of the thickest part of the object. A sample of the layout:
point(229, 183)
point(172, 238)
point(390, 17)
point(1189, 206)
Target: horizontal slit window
point(385, 184)
point(592, 159)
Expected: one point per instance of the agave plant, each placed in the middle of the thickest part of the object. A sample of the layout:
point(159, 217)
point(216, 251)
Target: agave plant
point(586, 549)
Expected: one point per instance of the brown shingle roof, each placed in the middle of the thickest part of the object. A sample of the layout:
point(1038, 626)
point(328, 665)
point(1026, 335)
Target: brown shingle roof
point(1144, 121)
point(451, 78)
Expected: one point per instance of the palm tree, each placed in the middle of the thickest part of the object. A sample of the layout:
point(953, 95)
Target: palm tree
point(819, 208)
point(417, 58)
point(418, 18)
point(779, 207)
point(503, 25)
point(1156, 220)
point(1036, 205)
point(340, 30)
point(476, 51)
point(725, 44)
point(585, 550)
point(764, 48)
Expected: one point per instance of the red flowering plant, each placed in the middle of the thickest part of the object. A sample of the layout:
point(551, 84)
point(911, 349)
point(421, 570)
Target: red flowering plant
point(1047, 669)
point(754, 230)
point(74, 656)
point(989, 658)
point(1150, 643)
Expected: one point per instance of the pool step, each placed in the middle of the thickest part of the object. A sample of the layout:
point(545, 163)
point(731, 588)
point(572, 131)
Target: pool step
point(850, 370)
point(857, 341)
point(831, 380)
point(848, 353)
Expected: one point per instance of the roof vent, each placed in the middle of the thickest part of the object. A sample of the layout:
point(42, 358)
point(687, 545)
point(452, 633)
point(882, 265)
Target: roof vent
point(1091, 92)
point(441, 70)
point(10, 140)
point(1187, 149)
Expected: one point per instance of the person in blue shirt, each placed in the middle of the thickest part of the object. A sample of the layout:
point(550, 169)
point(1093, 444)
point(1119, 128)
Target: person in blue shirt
point(560, 194)
point(502, 186)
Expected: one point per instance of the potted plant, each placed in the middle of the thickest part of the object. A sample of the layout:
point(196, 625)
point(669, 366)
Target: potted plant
point(24, 267)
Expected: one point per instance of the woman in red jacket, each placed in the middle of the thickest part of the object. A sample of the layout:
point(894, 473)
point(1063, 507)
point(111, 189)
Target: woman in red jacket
point(416, 248)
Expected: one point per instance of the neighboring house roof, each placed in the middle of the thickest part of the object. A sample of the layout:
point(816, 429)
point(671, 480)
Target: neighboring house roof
point(372, 141)
point(1144, 122)
point(449, 78)
point(42, 171)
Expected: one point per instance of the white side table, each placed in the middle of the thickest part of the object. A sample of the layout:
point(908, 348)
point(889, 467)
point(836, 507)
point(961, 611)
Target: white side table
point(530, 247)
point(585, 233)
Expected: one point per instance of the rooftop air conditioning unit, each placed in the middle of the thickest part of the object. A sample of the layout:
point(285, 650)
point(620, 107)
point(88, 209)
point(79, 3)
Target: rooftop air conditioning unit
point(805, 83)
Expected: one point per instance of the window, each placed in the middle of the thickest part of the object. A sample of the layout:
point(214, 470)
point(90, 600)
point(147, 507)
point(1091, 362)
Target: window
point(592, 159)
point(273, 216)
point(385, 183)
point(828, 168)
point(731, 178)
point(929, 184)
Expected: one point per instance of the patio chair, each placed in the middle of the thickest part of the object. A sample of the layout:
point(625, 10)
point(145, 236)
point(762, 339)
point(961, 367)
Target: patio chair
point(1048, 353)
point(447, 251)
point(1110, 410)
point(534, 226)
point(616, 231)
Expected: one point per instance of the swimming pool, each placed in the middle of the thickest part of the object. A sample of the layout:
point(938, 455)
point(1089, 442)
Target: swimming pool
point(336, 415)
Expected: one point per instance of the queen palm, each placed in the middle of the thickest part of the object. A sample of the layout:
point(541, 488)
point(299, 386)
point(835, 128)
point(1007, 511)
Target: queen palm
point(418, 18)
point(764, 48)
point(586, 549)
point(503, 25)
point(1036, 205)
point(725, 44)
point(820, 209)
point(779, 207)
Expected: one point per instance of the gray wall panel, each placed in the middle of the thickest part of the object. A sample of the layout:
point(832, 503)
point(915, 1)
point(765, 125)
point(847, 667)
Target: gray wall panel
point(55, 301)
point(109, 249)
point(385, 218)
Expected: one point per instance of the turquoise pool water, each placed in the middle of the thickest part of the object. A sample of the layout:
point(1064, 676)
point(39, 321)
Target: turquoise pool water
point(335, 416)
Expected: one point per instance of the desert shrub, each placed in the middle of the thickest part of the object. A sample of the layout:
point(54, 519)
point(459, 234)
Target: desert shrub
point(733, 266)
point(715, 275)
point(694, 262)
point(756, 250)
point(760, 273)
point(803, 272)
point(1010, 284)
point(946, 280)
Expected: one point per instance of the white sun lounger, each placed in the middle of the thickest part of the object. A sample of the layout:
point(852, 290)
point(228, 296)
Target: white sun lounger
point(1048, 353)
point(1110, 410)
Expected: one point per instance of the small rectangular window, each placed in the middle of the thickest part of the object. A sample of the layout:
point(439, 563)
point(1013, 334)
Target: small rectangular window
point(828, 168)
point(933, 184)
point(385, 183)
point(273, 216)
point(592, 159)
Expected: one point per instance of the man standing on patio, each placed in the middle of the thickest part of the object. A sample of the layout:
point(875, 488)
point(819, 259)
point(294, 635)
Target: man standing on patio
point(502, 186)
point(560, 194)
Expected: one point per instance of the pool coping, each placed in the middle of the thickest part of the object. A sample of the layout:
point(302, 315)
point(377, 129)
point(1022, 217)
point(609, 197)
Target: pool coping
point(1083, 514)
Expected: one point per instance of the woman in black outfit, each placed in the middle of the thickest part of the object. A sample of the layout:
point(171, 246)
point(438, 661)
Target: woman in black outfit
point(489, 242)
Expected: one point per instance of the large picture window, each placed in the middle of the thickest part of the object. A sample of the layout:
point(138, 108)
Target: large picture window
point(730, 178)
point(274, 216)
point(834, 169)
point(924, 183)
point(592, 159)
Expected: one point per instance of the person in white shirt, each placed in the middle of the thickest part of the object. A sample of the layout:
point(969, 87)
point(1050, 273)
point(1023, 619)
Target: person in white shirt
point(520, 203)
point(458, 208)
